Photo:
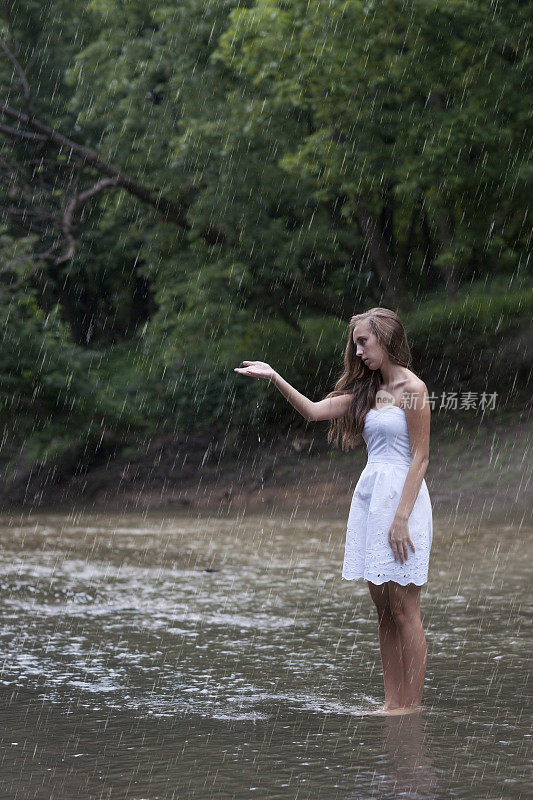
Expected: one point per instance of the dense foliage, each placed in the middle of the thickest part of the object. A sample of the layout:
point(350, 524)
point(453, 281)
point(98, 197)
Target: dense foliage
point(187, 185)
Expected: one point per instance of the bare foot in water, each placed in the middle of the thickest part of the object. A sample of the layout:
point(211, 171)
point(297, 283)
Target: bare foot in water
point(399, 710)
point(387, 711)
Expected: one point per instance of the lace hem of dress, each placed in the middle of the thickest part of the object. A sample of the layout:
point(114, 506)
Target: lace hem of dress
point(404, 582)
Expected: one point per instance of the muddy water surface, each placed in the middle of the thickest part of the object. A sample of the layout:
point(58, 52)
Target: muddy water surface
point(153, 656)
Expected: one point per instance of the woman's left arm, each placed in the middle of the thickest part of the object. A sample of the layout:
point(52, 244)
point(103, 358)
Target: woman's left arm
point(418, 422)
point(417, 413)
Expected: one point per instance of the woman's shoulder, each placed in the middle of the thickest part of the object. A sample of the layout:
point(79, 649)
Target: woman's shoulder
point(414, 391)
point(412, 381)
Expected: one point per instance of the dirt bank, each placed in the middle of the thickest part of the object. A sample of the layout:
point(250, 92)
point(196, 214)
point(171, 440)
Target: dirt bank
point(478, 463)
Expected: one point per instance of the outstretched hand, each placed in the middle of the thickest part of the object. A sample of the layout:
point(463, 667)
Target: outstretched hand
point(256, 369)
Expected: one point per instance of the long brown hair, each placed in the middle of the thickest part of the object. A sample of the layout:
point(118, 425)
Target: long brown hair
point(361, 381)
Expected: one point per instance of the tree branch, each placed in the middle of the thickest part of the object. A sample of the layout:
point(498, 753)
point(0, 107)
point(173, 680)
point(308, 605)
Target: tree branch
point(68, 217)
point(171, 211)
point(22, 75)
point(16, 133)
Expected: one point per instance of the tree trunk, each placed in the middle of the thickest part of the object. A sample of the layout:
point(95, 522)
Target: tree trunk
point(74, 305)
point(445, 222)
point(427, 244)
point(394, 291)
point(446, 231)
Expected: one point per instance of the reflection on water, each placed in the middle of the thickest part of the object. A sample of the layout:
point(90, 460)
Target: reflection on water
point(155, 657)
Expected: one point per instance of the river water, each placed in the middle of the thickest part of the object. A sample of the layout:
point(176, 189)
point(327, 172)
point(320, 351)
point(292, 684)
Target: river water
point(150, 656)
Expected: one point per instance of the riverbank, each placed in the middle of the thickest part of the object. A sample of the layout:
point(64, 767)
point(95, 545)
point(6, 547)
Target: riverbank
point(478, 462)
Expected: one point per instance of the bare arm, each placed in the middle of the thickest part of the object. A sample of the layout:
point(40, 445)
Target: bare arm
point(330, 408)
point(418, 423)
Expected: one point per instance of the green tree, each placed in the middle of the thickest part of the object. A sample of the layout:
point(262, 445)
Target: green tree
point(416, 113)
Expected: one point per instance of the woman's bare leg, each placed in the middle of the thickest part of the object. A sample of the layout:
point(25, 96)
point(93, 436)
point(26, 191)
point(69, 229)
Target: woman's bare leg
point(404, 604)
point(390, 647)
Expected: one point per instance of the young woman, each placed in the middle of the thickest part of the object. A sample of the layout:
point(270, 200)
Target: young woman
point(390, 524)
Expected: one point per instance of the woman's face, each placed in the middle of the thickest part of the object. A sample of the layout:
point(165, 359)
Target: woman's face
point(367, 346)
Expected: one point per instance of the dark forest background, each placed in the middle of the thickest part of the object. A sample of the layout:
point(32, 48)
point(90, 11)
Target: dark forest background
point(186, 185)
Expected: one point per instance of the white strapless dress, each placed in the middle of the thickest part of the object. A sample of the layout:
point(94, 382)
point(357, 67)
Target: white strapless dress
point(368, 554)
